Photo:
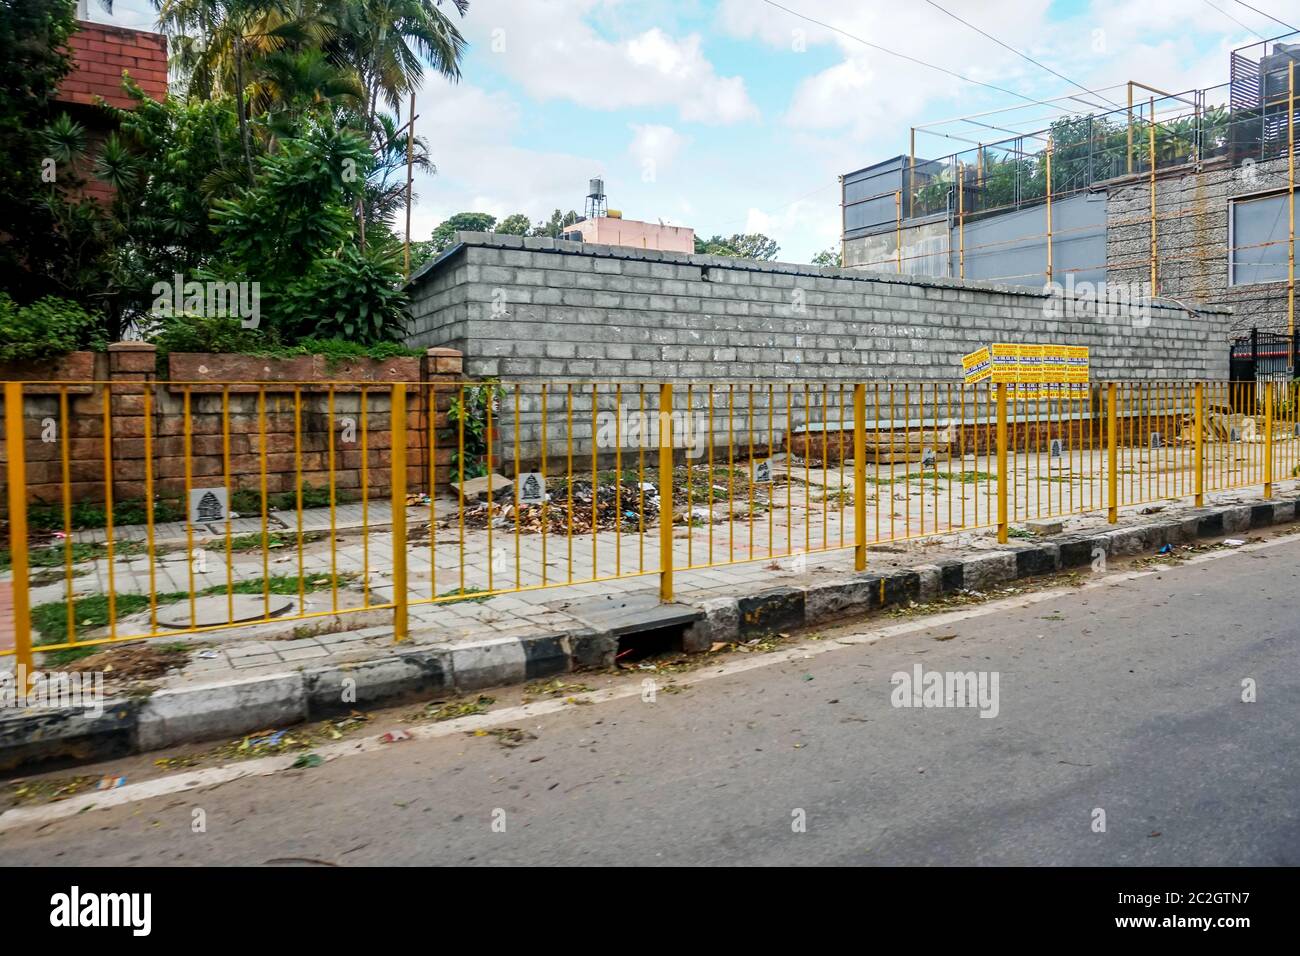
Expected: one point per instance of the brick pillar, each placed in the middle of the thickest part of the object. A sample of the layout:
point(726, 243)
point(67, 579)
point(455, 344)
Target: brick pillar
point(133, 361)
point(130, 366)
point(444, 369)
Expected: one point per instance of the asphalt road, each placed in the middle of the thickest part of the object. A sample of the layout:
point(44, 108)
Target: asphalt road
point(1125, 698)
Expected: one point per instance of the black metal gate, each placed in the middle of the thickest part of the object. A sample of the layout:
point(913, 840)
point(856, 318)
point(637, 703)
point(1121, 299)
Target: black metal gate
point(1262, 357)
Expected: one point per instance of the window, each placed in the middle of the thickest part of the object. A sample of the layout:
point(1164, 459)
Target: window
point(1260, 231)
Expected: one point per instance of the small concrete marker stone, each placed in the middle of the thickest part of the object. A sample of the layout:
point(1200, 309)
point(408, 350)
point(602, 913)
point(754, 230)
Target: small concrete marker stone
point(1045, 526)
point(476, 489)
point(214, 609)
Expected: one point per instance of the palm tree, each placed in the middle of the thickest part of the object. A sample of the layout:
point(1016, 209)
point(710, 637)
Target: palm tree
point(219, 44)
point(290, 83)
point(387, 42)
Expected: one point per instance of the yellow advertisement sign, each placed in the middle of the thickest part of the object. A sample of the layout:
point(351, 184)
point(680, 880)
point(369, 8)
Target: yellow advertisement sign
point(1006, 362)
point(977, 366)
point(1076, 363)
point(1037, 371)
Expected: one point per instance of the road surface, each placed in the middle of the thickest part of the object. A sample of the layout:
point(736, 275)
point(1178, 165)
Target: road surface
point(1123, 698)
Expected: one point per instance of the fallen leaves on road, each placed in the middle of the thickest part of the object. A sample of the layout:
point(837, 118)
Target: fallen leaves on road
point(440, 710)
point(509, 737)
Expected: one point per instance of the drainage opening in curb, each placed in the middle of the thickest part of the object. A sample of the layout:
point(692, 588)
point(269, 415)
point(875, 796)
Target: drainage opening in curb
point(638, 645)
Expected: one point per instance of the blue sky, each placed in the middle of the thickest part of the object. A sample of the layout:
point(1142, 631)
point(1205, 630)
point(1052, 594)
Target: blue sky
point(736, 116)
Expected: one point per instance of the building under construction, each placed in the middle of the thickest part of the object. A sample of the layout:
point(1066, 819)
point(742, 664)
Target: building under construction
point(1183, 196)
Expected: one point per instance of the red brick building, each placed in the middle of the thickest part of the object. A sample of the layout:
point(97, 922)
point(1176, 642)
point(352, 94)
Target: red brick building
point(101, 54)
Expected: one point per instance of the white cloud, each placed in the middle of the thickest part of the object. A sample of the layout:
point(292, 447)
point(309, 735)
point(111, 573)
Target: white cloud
point(658, 145)
point(551, 50)
point(470, 134)
point(812, 223)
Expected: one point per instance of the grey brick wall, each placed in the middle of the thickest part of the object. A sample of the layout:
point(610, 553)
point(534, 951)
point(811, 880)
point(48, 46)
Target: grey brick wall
point(529, 310)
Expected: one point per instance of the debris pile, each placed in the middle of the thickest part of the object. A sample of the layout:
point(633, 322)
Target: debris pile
point(626, 507)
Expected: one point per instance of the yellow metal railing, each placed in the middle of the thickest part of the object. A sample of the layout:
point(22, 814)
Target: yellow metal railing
point(363, 498)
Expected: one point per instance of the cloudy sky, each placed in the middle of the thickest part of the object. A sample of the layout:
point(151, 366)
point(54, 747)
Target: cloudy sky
point(738, 115)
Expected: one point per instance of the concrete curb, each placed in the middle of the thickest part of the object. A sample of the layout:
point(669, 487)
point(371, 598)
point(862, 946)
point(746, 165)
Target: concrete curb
point(231, 708)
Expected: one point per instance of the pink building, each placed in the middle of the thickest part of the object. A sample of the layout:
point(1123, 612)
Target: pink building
point(617, 231)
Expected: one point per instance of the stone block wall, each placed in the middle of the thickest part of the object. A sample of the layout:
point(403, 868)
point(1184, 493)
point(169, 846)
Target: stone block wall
point(540, 310)
point(1193, 238)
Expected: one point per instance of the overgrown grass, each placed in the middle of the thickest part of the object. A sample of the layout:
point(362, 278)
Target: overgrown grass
point(247, 502)
point(473, 595)
point(90, 612)
point(274, 540)
point(86, 515)
point(54, 556)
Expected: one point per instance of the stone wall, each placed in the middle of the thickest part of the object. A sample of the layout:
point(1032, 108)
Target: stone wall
point(1192, 238)
point(541, 310)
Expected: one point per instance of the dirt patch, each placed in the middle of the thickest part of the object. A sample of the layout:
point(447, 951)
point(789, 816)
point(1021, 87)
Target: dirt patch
point(134, 662)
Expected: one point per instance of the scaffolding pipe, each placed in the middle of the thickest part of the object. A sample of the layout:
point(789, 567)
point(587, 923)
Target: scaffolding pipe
point(961, 219)
point(1290, 179)
point(1151, 148)
point(1049, 211)
point(1130, 127)
point(898, 229)
point(844, 226)
point(911, 173)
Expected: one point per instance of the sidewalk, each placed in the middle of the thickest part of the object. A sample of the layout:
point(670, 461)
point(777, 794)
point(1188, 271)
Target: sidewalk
point(797, 530)
point(263, 648)
point(237, 684)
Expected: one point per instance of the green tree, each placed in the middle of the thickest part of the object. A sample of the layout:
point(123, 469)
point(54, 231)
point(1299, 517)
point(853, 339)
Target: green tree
point(33, 62)
point(445, 232)
point(222, 44)
point(555, 226)
point(387, 42)
point(752, 245)
point(828, 257)
point(516, 224)
point(293, 232)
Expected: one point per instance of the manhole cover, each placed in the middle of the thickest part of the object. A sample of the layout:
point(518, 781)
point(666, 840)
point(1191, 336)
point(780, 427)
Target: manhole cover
point(215, 609)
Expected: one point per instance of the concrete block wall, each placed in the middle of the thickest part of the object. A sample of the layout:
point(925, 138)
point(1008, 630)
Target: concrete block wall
point(1192, 238)
point(531, 310)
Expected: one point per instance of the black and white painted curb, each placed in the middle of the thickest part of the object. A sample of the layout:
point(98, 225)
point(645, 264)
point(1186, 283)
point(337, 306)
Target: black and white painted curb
point(230, 708)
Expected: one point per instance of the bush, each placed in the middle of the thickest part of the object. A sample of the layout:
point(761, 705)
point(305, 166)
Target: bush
point(48, 328)
point(196, 333)
point(354, 296)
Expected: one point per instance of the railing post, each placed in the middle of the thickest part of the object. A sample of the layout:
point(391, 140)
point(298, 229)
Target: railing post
point(1268, 439)
point(1002, 463)
point(666, 493)
point(1112, 457)
point(859, 477)
point(17, 485)
point(1200, 444)
point(397, 481)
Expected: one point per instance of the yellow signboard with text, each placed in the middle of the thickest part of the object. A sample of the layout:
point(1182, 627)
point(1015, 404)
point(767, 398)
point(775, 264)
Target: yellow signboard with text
point(1036, 371)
